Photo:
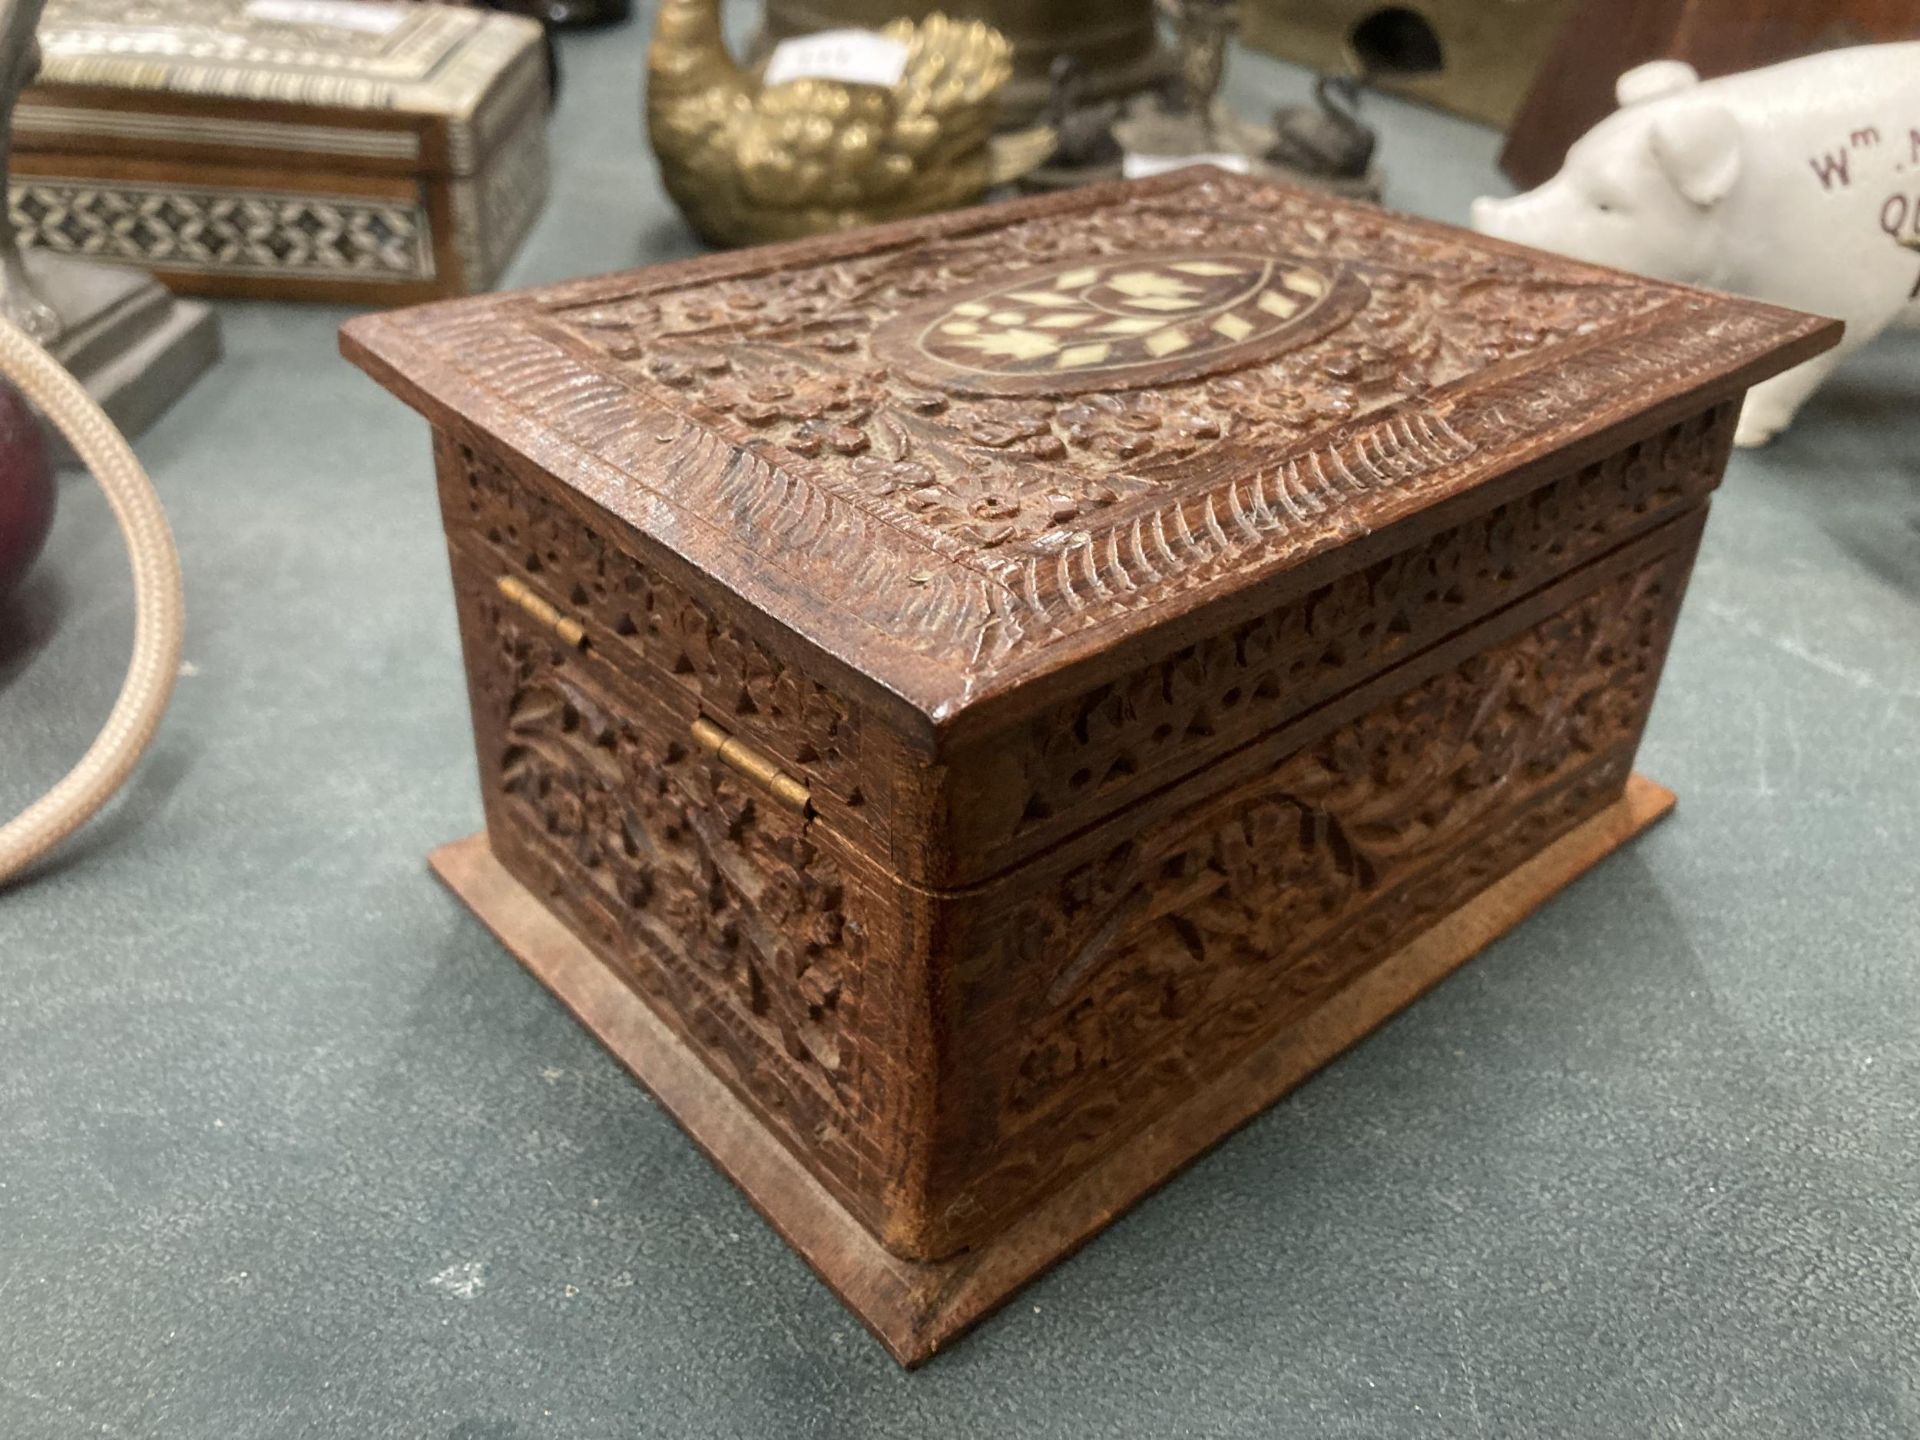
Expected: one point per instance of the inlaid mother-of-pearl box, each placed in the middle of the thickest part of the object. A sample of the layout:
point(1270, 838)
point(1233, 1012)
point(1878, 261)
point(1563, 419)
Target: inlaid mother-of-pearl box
point(970, 711)
point(371, 154)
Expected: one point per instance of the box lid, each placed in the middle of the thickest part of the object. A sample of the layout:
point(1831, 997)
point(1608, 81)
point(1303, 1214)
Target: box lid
point(1025, 443)
point(170, 75)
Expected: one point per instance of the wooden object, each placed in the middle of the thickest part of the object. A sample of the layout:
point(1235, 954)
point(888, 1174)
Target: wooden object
point(237, 151)
point(1473, 57)
point(914, 1308)
point(1601, 39)
point(1171, 603)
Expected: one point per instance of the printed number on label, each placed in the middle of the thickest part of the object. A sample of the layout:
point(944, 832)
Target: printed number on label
point(853, 57)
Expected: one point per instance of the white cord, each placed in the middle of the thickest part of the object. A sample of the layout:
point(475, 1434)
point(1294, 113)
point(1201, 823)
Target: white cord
point(158, 612)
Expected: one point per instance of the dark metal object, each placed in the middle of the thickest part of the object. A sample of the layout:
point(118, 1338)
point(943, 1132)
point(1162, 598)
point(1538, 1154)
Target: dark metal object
point(1324, 147)
point(1202, 29)
point(1083, 130)
point(568, 14)
point(1328, 139)
point(1085, 149)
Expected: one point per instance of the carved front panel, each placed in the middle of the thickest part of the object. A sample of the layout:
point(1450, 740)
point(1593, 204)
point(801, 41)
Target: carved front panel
point(1092, 753)
point(1117, 986)
point(736, 919)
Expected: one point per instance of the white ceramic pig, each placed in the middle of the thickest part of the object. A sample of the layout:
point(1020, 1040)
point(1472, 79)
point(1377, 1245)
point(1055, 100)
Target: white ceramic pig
point(1798, 184)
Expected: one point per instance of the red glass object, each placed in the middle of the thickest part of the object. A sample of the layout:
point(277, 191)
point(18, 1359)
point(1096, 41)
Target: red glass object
point(26, 487)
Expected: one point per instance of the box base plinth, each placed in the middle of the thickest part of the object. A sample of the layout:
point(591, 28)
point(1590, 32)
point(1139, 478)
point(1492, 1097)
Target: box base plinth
point(914, 1309)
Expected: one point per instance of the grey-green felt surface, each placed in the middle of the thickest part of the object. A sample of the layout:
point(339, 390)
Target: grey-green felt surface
point(289, 1147)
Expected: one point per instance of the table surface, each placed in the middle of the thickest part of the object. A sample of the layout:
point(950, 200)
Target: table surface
point(290, 1147)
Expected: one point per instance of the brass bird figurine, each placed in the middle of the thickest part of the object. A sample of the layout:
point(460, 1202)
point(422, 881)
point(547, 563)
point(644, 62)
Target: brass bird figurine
point(748, 162)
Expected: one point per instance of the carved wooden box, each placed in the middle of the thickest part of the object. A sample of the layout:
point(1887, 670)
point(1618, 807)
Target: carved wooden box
point(285, 149)
point(972, 710)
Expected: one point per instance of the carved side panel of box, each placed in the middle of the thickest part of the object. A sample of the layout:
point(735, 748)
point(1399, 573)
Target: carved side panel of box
point(748, 927)
point(1099, 990)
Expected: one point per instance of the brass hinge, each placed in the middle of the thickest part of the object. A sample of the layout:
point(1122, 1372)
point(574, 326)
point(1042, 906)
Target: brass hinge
point(548, 614)
point(754, 765)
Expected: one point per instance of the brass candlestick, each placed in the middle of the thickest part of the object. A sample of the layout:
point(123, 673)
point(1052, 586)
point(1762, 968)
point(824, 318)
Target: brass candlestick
point(1201, 29)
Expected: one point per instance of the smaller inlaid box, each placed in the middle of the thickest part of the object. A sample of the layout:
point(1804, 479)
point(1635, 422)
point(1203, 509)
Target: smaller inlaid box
point(972, 710)
point(337, 150)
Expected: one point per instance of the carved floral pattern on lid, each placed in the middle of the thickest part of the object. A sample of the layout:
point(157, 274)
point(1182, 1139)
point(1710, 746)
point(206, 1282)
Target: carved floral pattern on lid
point(953, 548)
point(815, 368)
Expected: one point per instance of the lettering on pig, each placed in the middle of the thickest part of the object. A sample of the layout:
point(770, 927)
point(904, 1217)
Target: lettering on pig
point(1900, 222)
point(1838, 162)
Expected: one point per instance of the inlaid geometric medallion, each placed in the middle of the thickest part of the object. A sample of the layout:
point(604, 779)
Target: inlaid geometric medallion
point(1114, 324)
